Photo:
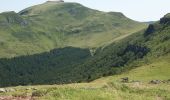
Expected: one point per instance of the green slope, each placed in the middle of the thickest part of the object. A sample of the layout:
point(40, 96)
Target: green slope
point(106, 88)
point(135, 50)
point(157, 69)
point(55, 25)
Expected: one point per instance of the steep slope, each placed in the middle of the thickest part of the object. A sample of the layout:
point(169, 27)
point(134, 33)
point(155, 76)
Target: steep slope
point(135, 50)
point(54, 25)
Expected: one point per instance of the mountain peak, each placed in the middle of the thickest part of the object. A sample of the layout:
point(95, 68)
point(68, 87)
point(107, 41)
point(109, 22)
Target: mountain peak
point(55, 1)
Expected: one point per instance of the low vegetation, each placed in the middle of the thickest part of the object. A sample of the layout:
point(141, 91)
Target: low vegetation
point(71, 65)
point(49, 26)
point(106, 88)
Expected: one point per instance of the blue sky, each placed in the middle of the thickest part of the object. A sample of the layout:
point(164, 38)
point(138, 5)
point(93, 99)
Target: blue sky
point(140, 10)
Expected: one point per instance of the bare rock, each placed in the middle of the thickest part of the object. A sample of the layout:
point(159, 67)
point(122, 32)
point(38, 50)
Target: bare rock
point(155, 82)
point(125, 79)
point(2, 90)
point(10, 90)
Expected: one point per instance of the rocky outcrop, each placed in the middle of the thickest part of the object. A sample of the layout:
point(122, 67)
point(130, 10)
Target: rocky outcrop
point(12, 18)
point(2, 90)
point(150, 30)
point(125, 79)
point(165, 19)
point(155, 82)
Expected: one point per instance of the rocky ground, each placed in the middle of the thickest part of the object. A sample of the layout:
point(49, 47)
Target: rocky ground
point(16, 98)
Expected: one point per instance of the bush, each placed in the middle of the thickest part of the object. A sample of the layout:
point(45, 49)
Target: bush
point(39, 93)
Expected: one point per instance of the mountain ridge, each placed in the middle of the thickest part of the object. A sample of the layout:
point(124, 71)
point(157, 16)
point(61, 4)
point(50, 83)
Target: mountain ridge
point(48, 26)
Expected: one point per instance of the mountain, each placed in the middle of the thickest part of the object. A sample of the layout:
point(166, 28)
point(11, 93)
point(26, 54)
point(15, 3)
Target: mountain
point(69, 65)
point(51, 25)
point(150, 22)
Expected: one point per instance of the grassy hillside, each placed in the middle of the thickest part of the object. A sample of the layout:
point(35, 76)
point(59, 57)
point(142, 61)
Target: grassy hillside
point(56, 25)
point(106, 88)
point(157, 69)
point(133, 51)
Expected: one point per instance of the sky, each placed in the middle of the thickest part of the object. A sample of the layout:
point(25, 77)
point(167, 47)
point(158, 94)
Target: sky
point(139, 10)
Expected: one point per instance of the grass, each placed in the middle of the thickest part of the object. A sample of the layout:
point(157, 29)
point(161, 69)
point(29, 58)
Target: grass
point(51, 25)
point(108, 88)
point(156, 69)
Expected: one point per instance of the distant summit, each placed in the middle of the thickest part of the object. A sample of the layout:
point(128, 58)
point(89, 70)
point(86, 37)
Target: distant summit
point(55, 1)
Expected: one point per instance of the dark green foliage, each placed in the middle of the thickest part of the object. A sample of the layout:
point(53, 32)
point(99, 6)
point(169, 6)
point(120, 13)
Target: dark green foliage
point(165, 19)
point(41, 68)
point(150, 30)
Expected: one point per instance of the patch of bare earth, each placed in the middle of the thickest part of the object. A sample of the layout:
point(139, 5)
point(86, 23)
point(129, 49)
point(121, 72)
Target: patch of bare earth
point(16, 98)
point(159, 98)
